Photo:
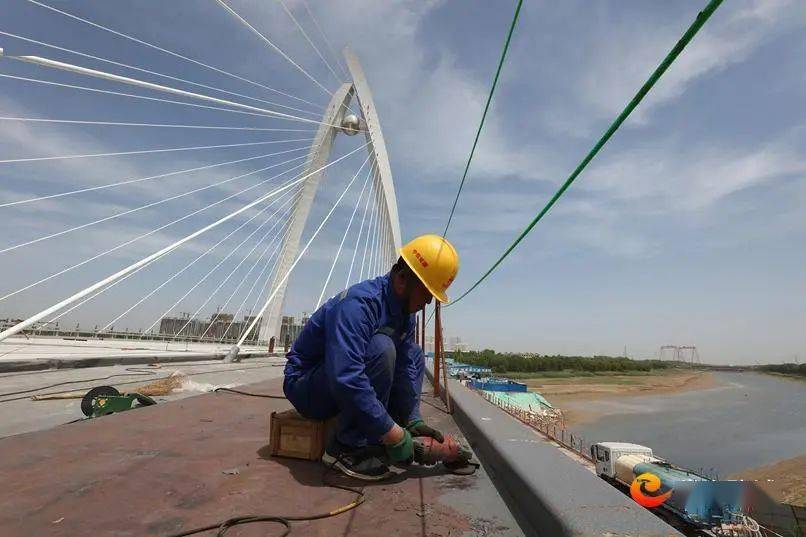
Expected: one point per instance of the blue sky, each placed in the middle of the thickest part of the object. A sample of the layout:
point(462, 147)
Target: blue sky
point(687, 229)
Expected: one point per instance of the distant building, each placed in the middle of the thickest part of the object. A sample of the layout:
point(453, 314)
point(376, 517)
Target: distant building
point(220, 326)
point(9, 322)
point(451, 344)
point(455, 344)
point(290, 329)
point(214, 327)
point(428, 348)
point(238, 327)
point(182, 326)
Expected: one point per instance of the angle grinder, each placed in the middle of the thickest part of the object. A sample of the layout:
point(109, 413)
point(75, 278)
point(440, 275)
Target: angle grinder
point(457, 458)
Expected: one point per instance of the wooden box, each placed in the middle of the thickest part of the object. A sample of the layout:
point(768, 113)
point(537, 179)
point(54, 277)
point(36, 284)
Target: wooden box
point(292, 435)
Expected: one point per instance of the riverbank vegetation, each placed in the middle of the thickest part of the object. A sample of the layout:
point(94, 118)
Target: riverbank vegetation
point(557, 366)
point(790, 370)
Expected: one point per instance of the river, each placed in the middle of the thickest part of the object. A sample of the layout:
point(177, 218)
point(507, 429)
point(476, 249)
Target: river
point(748, 420)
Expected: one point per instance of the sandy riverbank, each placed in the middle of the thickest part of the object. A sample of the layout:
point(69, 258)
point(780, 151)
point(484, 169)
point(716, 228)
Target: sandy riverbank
point(784, 481)
point(567, 393)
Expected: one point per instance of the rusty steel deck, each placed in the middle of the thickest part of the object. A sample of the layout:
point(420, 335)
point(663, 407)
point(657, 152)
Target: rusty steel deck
point(162, 469)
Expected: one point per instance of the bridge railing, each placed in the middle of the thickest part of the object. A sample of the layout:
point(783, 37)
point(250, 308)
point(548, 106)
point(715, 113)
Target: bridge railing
point(550, 424)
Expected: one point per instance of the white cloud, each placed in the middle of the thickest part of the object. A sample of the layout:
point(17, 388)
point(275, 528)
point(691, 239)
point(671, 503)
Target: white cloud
point(622, 59)
point(664, 177)
point(429, 105)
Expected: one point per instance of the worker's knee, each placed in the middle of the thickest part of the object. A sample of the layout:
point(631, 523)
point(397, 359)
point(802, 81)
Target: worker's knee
point(381, 356)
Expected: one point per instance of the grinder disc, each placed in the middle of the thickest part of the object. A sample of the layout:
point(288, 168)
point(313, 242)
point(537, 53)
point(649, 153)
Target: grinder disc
point(462, 467)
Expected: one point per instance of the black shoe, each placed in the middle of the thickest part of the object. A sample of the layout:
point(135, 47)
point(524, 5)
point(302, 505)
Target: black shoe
point(361, 463)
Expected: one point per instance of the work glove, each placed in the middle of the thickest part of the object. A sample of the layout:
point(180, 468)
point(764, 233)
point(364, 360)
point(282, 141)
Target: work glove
point(403, 451)
point(419, 428)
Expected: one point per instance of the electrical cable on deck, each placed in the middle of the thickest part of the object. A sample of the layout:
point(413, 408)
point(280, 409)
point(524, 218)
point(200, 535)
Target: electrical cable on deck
point(223, 526)
point(249, 394)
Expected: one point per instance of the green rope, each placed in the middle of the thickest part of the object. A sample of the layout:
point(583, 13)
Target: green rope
point(484, 115)
point(702, 17)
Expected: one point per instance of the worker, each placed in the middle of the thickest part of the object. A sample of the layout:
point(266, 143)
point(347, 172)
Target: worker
point(356, 359)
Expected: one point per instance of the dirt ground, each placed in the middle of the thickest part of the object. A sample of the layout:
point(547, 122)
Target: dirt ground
point(784, 480)
point(561, 391)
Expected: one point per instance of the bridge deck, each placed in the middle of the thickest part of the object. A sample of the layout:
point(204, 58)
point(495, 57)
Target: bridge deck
point(161, 469)
point(22, 415)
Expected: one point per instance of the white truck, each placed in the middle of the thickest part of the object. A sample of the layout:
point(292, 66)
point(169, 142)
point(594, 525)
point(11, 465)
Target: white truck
point(714, 507)
point(616, 460)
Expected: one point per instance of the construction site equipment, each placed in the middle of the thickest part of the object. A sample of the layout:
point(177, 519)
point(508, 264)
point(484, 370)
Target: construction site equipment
point(103, 400)
point(435, 262)
point(717, 506)
point(294, 436)
point(495, 384)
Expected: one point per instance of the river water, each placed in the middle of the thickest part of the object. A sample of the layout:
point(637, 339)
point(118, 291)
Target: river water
point(749, 420)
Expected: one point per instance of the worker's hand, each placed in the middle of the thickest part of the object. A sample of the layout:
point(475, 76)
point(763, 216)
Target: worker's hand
point(402, 451)
point(393, 435)
point(419, 428)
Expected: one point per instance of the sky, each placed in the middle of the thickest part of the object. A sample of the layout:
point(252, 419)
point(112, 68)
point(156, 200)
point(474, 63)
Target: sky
point(687, 229)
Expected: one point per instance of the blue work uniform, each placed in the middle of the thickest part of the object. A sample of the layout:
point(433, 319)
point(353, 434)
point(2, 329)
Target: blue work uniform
point(356, 358)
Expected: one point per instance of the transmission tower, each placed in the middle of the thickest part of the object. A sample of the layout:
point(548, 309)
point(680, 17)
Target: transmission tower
point(674, 355)
point(688, 353)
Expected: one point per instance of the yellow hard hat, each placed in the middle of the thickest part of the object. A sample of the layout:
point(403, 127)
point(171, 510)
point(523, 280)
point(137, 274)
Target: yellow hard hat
point(434, 260)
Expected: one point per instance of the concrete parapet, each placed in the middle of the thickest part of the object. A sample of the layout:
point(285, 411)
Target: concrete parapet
point(547, 491)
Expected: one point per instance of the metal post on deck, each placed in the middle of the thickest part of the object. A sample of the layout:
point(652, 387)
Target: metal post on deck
point(437, 350)
point(444, 361)
point(422, 329)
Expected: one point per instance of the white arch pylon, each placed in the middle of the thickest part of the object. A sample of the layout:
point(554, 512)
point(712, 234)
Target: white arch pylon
point(317, 158)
